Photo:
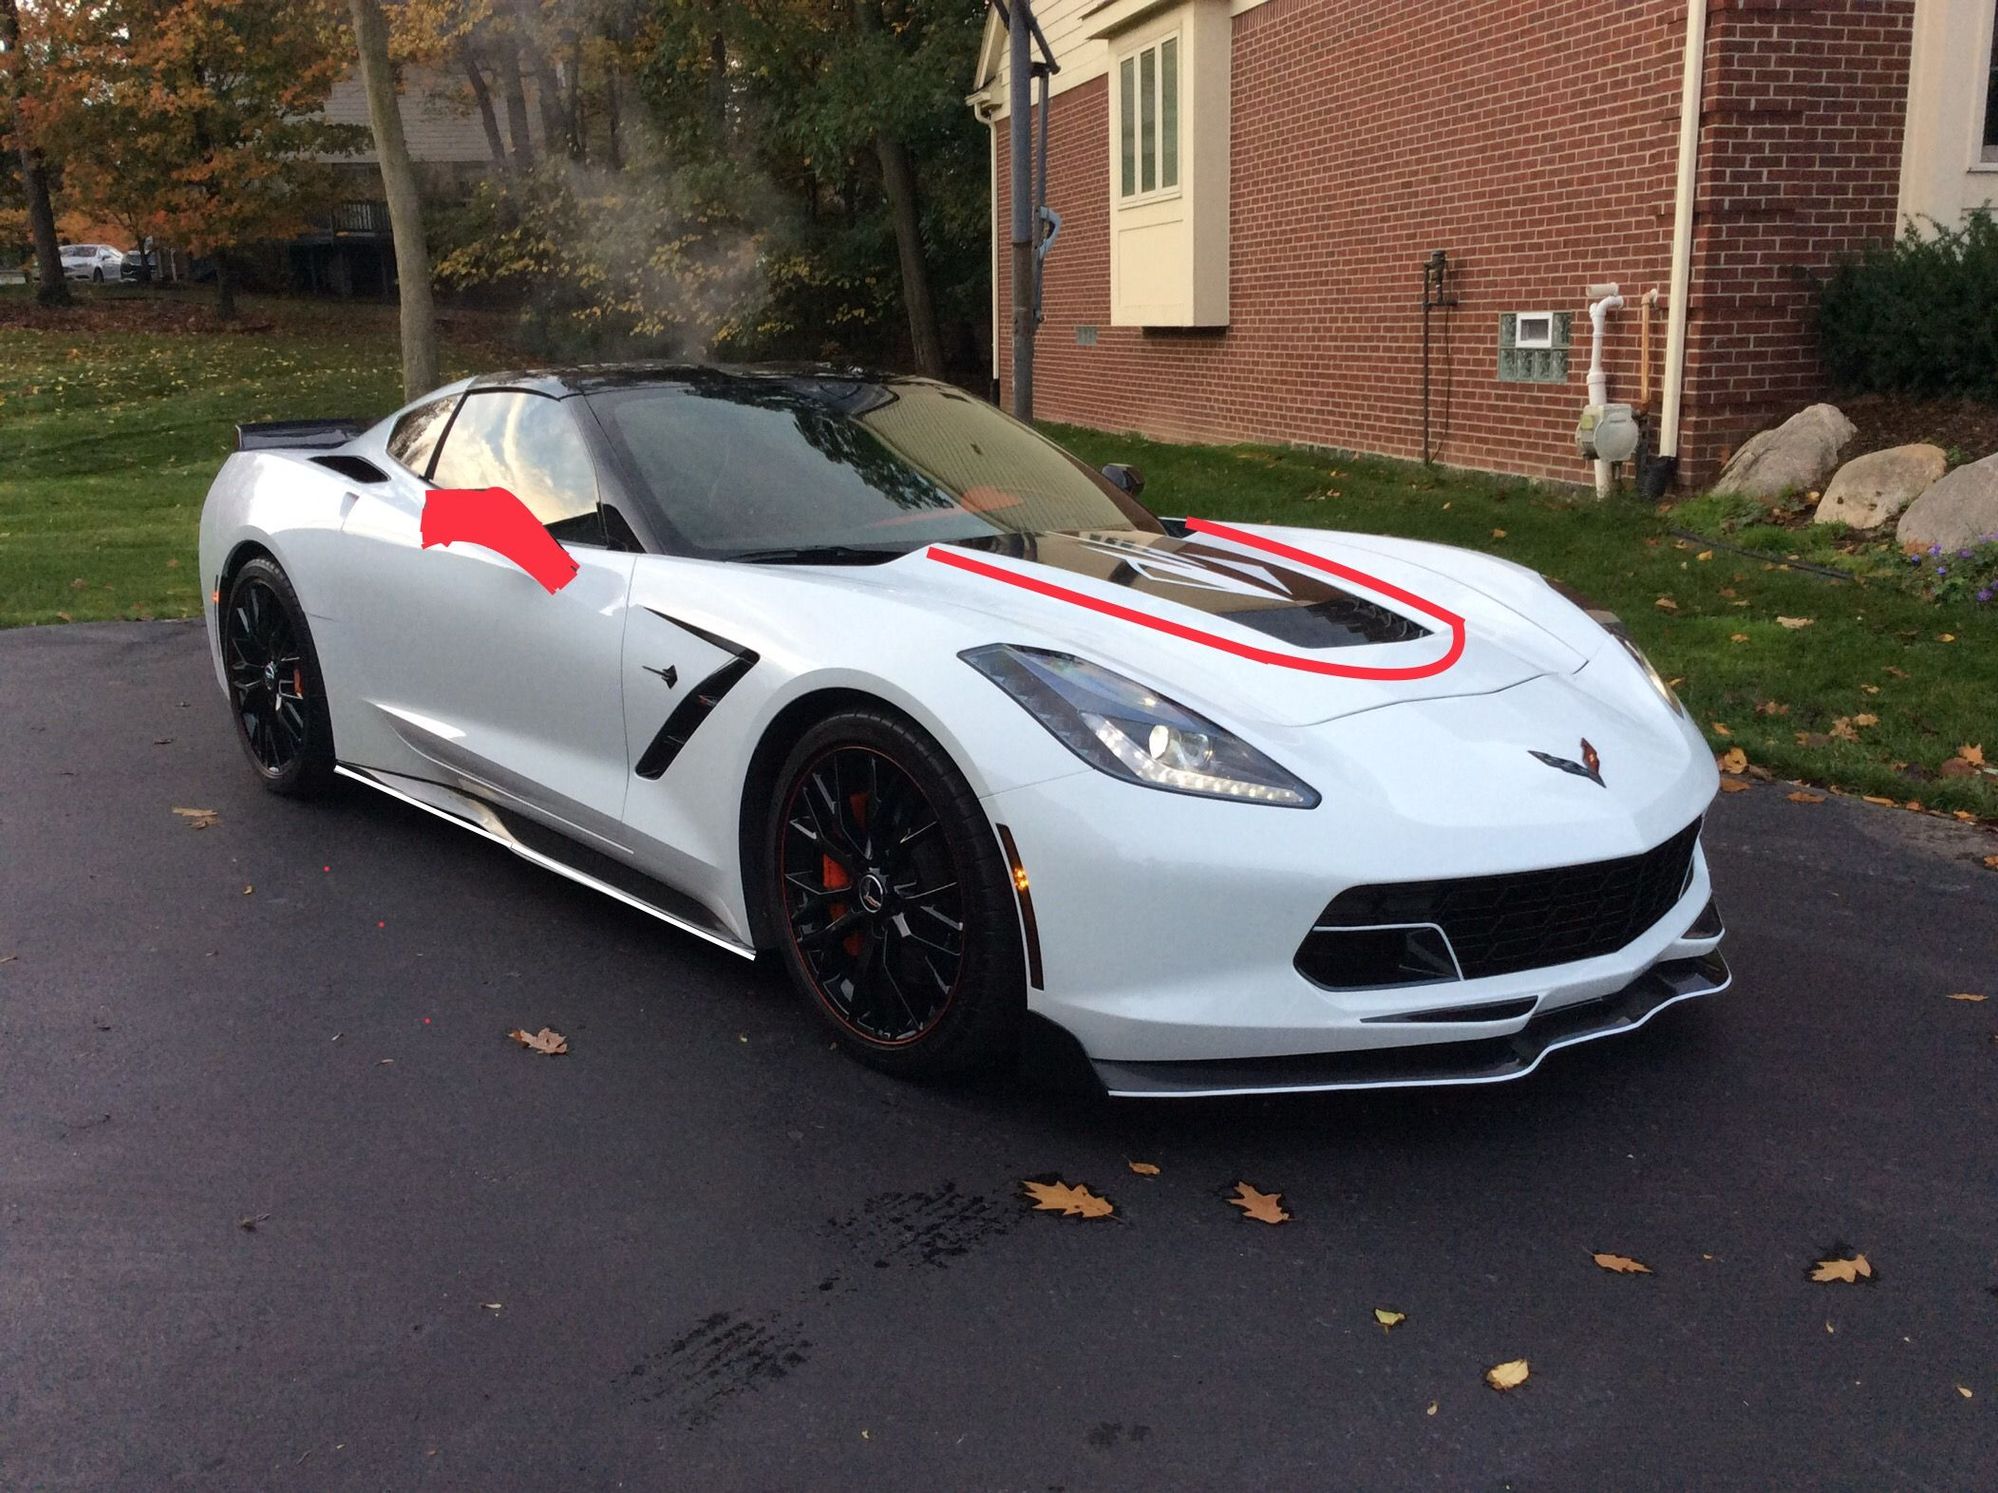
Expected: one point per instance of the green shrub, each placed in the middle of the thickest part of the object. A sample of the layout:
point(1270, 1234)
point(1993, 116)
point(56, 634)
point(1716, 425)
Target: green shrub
point(1917, 316)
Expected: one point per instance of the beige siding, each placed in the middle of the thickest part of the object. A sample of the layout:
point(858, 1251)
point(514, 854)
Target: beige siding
point(1943, 175)
point(438, 117)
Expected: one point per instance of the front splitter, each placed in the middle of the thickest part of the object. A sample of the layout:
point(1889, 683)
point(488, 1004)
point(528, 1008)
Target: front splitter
point(1477, 1060)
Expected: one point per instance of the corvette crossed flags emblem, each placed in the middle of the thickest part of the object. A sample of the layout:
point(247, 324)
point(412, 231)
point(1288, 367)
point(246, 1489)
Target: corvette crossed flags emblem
point(1589, 767)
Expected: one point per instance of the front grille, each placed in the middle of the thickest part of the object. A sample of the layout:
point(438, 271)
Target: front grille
point(1530, 919)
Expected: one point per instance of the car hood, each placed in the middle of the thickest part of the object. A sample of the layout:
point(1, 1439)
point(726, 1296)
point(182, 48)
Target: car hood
point(1220, 620)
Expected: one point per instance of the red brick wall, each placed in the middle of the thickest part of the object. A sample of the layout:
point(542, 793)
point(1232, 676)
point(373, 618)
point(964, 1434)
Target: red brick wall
point(1536, 142)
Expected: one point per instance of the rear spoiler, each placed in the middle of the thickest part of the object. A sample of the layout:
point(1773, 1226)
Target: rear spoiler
point(313, 435)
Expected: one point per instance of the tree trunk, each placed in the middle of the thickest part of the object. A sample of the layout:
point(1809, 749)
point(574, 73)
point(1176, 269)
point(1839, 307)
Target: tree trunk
point(718, 87)
point(483, 97)
point(898, 180)
point(405, 203)
point(578, 137)
point(613, 119)
point(516, 105)
point(547, 87)
point(225, 286)
point(50, 287)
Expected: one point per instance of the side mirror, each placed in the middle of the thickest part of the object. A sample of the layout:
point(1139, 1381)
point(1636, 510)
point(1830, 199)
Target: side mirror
point(1126, 479)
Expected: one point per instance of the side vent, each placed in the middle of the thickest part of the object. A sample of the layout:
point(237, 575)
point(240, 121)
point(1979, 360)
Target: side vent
point(699, 703)
point(353, 468)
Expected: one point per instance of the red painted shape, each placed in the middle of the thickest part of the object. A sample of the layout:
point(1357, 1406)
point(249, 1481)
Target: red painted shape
point(1229, 645)
point(495, 519)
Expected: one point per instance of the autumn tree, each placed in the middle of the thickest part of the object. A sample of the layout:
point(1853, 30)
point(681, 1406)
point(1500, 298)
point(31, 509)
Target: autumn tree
point(50, 287)
point(211, 107)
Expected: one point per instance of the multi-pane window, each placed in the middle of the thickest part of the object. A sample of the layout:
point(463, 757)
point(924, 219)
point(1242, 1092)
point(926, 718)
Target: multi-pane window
point(1148, 115)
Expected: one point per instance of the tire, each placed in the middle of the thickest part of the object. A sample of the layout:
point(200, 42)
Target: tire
point(277, 694)
point(928, 978)
point(98, 274)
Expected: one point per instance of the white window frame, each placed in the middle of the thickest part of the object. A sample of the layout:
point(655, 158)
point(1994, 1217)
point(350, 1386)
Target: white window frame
point(1156, 46)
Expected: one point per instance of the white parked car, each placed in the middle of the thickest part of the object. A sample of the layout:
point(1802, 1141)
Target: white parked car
point(860, 672)
point(92, 262)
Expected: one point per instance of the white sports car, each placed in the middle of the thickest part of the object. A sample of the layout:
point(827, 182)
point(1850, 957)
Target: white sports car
point(858, 670)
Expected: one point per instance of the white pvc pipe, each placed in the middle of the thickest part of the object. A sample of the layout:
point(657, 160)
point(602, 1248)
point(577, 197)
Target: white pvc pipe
point(1599, 380)
point(1690, 81)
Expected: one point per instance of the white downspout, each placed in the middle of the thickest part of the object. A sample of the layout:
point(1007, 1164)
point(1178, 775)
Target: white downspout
point(1611, 299)
point(1690, 82)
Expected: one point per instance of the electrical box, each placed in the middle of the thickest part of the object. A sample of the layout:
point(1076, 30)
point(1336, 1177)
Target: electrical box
point(1533, 346)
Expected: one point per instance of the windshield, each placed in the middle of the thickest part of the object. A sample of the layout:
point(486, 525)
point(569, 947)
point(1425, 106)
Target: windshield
point(747, 466)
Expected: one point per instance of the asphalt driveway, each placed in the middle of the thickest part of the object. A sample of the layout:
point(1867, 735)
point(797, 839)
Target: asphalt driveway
point(702, 1249)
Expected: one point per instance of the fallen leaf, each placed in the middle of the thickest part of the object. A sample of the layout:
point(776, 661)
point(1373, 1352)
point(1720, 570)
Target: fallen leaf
point(1143, 1168)
point(1770, 707)
point(1945, 637)
point(1733, 760)
point(547, 1041)
point(1850, 1271)
point(1508, 1375)
point(1666, 604)
point(1263, 1207)
point(1801, 797)
point(1389, 1320)
point(1793, 623)
point(1963, 816)
point(1991, 862)
point(1075, 1201)
point(1498, 533)
point(1897, 673)
point(249, 1225)
point(1966, 996)
point(1734, 785)
point(247, 889)
point(1974, 755)
point(1963, 1390)
point(1870, 689)
point(1913, 805)
point(1813, 739)
point(1740, 637)
point(1866, 720)
point(1620, 1264)
point(1874, 798)
point(1720, 730)
point(1432, 1408)
point(199, 818)
point(1704, 555)
point(491, 1306)
point(1841, 730)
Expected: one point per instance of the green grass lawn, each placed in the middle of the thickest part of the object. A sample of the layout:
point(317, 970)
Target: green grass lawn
point(109, 437)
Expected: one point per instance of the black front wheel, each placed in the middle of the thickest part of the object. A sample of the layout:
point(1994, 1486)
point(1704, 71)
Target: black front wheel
point(897, 916)
point(275, 690)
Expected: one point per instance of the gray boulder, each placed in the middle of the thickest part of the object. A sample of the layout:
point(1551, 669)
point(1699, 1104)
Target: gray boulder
point(1872, 489)
point(1958, 511)
point(1796, 456)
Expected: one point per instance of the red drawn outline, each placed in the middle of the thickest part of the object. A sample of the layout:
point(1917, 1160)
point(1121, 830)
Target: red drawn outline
point(495, 519)
point(1229, 645)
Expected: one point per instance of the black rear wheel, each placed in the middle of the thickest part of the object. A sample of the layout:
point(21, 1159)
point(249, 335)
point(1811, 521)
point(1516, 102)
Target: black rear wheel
point(275, 690)
point(897, 917)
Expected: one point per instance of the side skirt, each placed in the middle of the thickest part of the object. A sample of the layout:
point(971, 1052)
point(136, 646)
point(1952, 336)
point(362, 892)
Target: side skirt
point(552, 852)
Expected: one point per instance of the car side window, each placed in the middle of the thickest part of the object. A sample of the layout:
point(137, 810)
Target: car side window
point(528, 444)
point(415, 434)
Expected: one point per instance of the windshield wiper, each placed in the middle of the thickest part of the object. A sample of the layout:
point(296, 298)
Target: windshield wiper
point(819, 554)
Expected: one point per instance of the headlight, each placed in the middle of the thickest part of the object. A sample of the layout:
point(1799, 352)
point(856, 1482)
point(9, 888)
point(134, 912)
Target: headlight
point(1118, 726)
point(1613, 625)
